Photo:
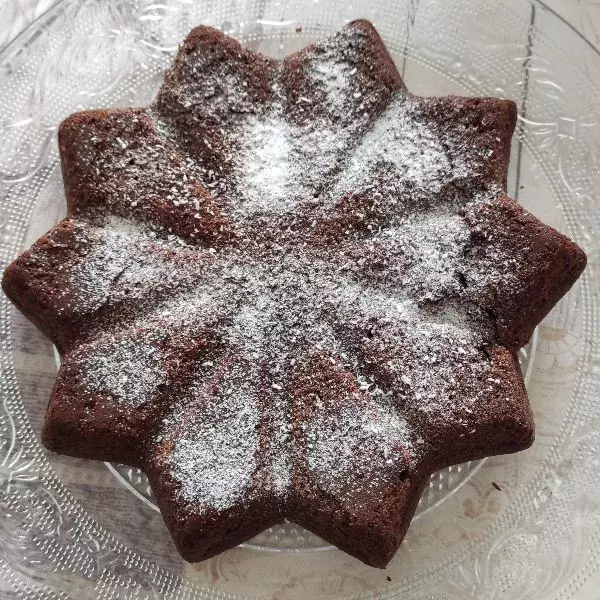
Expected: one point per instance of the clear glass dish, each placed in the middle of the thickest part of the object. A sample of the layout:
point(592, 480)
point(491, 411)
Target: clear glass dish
point(517, 527)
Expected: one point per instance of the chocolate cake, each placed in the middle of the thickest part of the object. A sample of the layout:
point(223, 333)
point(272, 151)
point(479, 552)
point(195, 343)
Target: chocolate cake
point(290, 289)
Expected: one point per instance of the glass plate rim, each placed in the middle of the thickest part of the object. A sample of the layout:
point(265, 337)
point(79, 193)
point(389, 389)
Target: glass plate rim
point(18, 39)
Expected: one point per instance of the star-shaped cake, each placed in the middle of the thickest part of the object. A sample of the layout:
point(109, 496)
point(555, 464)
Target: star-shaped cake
point(290, 290)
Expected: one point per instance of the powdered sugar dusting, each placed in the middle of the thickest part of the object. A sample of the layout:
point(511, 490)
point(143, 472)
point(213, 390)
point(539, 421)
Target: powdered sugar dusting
point(394, 304)
point(125, 260)
point(103, 264)
point(427, 353)
point(281, 165)
point(209, 84)
point(403, 149)
point(129, 370)
point(433, 243)
point(268, 309)
point(356, 446)
point(334, 78)
point(214, 458)
point(266, 152)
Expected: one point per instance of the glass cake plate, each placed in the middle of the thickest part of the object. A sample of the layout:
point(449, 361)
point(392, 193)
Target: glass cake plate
point(524, 526)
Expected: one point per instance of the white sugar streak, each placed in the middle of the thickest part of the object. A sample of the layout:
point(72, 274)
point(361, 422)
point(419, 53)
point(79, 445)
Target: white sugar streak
point(128, 369)
point(357, 446)
point(215, 457)
point(123, 259)
point(402, 153)
point(280, 164)
point(434, 244)
point(335, 79)
point(265, 156)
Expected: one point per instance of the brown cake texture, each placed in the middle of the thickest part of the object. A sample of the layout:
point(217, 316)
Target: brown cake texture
point(290, 290)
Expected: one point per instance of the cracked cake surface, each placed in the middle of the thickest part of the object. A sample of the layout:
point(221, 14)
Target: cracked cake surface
point(290, 289)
